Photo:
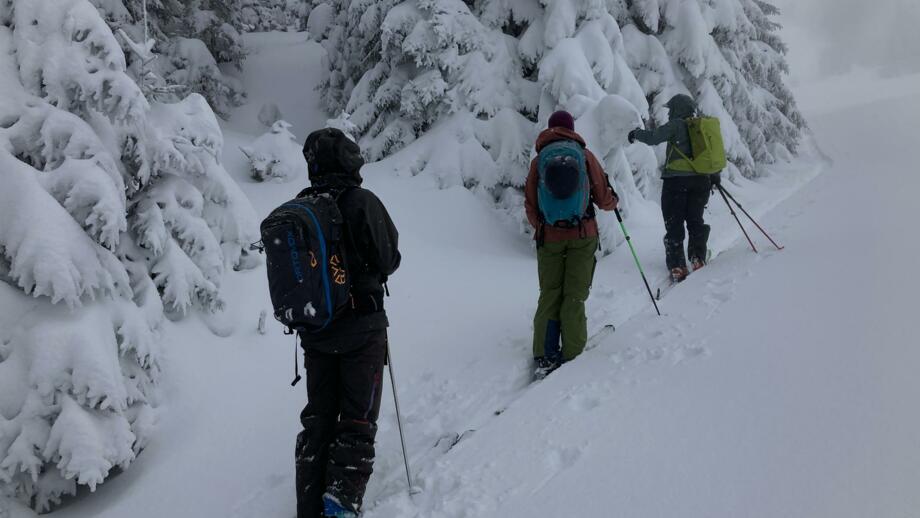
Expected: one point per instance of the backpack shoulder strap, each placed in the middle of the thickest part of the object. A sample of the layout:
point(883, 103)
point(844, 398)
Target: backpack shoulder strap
point(351, 245)
point(673, 147)
point(681, 153)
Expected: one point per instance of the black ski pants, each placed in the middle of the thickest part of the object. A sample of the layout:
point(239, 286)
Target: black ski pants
point(683, 199)
point(335, 451)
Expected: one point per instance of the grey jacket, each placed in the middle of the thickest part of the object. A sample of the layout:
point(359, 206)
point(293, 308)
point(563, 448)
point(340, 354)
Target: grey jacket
point(676, 134)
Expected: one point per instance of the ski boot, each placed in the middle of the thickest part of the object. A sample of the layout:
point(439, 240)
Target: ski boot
point(543, 367)
point(679, 274)
point(697, 264)
point(332, 508)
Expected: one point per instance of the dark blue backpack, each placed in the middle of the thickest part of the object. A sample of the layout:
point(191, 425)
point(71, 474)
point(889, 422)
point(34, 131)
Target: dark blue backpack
point(564, 192)
point(304, 243)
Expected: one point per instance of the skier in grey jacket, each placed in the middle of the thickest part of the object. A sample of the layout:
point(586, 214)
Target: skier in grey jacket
point(684, 194)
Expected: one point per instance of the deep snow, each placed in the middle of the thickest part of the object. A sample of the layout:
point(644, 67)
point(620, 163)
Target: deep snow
point(778, 384)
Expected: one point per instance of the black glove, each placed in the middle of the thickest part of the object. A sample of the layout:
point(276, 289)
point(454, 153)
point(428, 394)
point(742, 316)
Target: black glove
point(632, 136)
point(715, 179)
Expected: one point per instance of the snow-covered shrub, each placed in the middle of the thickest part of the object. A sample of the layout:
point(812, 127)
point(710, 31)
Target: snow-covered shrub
point(276, 155)
point(115, 211)
point(487, 75)
point(343, 123)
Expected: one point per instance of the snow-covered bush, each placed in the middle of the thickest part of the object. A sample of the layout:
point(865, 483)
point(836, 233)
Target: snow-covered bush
point(487, 75)
point(115, 211)
point(343, 123)
point(191, 40)
point(276, 155)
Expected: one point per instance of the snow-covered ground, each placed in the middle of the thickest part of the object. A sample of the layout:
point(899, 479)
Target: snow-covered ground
point(781, 384)
point(777, 384)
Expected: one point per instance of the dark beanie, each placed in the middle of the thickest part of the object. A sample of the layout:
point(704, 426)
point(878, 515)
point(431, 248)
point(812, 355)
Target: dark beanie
point(562, 119)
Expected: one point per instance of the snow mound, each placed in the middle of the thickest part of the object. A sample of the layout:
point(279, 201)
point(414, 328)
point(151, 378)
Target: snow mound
point(276, 155)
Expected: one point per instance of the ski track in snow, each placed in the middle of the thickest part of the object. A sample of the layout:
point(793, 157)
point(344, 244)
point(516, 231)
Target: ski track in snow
point(645, 340)
point(639, 352)
point(637, 422)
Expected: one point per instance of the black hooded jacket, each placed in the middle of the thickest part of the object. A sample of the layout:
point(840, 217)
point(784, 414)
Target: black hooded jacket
point(371, 241)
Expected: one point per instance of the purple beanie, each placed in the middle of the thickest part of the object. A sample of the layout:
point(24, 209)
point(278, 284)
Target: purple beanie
point(562, 119)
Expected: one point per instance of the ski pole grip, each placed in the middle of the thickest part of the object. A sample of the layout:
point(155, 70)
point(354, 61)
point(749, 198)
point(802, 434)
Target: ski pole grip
point(619, 216)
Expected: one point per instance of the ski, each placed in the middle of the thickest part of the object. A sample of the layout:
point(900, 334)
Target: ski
point(668, 283)
point(595, 339)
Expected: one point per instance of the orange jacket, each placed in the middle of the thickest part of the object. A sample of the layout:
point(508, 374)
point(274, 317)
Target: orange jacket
point(602, 194)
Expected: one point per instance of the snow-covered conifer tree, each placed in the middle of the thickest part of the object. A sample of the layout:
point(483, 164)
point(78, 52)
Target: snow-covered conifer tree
point(191, 41)
point(486, 75)
point(765, 67)
point(275, 15)
point(115, 211)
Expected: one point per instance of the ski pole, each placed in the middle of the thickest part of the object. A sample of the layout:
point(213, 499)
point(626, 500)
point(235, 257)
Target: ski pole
point(636, 257)
point(726, 193)
point(402, 438)
point(730, 209)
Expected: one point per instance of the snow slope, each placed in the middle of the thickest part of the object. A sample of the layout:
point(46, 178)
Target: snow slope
point(776, 384)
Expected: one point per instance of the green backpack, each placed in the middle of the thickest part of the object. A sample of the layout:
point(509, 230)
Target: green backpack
point(708, 149)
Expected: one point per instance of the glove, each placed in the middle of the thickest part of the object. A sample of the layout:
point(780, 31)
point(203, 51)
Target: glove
point(632, 136)
point(716, 179)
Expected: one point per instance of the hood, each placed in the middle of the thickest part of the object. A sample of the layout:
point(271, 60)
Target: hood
point(334, 160)
point(681, 107)
point(548, 136)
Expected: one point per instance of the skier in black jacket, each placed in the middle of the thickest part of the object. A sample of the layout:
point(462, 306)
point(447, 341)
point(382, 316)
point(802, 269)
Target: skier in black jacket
point(345, 362)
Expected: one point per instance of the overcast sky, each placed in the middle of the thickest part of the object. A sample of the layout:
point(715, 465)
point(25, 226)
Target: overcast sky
point(828, 37)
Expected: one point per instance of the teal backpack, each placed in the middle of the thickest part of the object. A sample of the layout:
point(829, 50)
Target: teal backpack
point(563, 192)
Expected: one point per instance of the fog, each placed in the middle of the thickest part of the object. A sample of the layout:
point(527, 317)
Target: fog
point(829, 37)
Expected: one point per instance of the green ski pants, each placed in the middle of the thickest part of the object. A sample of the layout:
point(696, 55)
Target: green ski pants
point(566, 269)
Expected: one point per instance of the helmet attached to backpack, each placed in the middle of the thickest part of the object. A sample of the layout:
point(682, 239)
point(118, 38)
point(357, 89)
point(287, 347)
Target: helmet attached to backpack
point(563, 191)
